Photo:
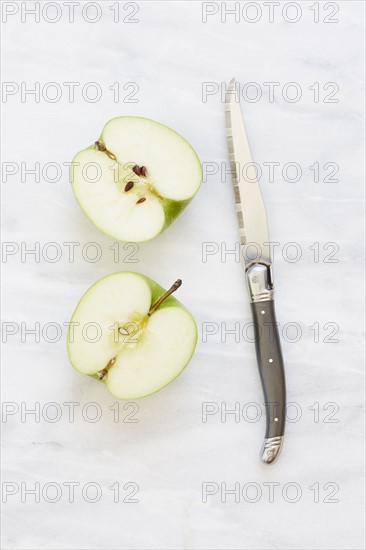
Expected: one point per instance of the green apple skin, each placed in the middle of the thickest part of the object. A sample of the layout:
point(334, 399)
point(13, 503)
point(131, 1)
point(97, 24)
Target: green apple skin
point(172, 208)
point(156, 292)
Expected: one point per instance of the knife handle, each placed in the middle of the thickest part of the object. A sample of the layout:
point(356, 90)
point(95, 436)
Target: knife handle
point(269, 358)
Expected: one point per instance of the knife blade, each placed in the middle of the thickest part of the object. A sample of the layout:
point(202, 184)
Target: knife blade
point(255, 246)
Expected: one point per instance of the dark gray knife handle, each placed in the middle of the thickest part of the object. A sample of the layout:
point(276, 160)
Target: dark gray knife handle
point(269, 358)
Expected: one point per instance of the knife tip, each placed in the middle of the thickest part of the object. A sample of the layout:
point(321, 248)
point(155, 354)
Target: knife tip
point(231, 93)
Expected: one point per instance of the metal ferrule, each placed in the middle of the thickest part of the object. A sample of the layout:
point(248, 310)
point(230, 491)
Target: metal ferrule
point(271, 449)
point(260, 282)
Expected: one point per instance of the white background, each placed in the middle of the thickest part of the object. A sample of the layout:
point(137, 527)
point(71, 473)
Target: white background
point(170, 452)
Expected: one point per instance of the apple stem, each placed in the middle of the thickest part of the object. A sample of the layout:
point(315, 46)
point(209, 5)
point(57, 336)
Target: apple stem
point(102, 374)
point(172, 289)
point(101, 147)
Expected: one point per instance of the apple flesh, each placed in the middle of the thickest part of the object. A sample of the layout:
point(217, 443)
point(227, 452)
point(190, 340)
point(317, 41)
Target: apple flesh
point(136, 178)
point(130, 333)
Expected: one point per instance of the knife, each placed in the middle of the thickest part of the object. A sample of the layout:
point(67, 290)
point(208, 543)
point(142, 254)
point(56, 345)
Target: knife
point(255, 248)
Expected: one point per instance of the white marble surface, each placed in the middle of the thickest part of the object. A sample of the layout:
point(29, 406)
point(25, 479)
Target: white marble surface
point(170, 452)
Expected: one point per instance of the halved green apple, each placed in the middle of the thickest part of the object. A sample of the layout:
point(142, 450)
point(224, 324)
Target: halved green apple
point(132, 334)
point(136, 178)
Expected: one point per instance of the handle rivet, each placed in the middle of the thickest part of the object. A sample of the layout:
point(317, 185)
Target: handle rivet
point(263, 312)
point(276, 419)
point(270, 360)
point(255, 279)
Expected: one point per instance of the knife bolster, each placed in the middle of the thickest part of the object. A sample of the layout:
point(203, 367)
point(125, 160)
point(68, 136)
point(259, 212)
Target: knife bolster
point(260, 282)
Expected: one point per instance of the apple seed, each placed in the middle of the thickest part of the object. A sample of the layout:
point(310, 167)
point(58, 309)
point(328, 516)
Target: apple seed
point(143, 199)
point(129, 186)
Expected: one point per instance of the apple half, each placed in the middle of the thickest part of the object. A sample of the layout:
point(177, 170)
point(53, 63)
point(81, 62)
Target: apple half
point(136, 178)
point(131, 334)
